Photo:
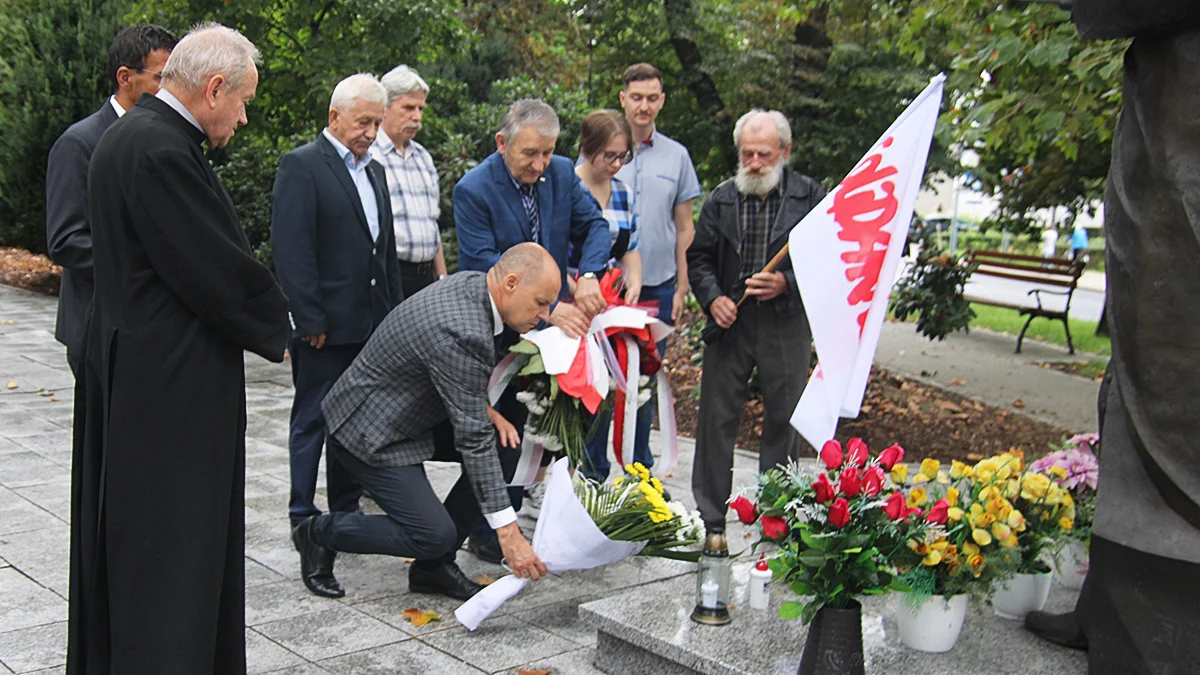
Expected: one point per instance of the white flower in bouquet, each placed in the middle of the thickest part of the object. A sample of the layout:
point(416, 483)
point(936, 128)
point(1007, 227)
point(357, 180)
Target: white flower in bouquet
point(643, 381)
point(551, 443)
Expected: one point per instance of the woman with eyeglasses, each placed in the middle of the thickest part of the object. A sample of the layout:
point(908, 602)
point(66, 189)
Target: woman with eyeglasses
point(605, 144)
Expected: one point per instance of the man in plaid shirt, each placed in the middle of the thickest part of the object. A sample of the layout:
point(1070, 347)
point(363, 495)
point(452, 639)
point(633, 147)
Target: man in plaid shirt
point(412, 181)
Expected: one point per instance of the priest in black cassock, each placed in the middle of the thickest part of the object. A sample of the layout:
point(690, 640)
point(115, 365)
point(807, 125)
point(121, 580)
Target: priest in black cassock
point(179, 297)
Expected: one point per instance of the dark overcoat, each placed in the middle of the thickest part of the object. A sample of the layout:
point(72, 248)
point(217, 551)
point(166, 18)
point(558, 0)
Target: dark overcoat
point(179, 296)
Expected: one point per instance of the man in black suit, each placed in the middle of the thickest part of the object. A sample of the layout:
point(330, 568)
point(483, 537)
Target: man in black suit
point(418, 391)
point(136, 59)
point(335, 252)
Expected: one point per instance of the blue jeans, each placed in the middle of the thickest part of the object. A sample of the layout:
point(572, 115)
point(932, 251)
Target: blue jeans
point(598, 465)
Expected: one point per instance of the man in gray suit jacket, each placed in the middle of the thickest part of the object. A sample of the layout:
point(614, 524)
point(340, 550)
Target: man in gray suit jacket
point(135, 61)
point(418, 391)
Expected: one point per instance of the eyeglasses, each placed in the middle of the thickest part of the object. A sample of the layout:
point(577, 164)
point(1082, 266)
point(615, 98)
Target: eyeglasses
point(618, 157)
point(157, 76)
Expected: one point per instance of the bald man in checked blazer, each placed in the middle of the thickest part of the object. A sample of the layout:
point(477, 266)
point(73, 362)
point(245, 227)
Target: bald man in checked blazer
point(418, 391)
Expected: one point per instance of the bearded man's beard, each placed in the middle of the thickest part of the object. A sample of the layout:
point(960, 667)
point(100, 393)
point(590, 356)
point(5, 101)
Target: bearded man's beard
point(760, 183)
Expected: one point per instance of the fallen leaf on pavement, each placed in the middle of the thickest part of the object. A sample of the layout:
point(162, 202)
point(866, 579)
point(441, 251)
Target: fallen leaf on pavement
point(13, 384)
point(6, 322)
point(419, 618)
point(484, 579)
point(956, 382)
point(533, 672)
point(54, 399)
point(1018, 403)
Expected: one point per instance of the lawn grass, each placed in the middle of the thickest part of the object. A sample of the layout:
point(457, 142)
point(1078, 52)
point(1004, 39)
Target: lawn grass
point(1001, 320)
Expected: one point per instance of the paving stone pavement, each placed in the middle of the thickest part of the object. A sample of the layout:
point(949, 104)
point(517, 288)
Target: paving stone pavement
point(288, 630)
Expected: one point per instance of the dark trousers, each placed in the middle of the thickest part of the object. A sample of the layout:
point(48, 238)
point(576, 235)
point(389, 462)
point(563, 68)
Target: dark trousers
point(314, 371)
point(414, 523)
point(780, 348)
point(414, 277)
point(598, 466)
point(516, 413)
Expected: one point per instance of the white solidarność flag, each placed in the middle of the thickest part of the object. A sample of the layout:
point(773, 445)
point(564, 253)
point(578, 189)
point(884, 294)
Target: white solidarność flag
point(844, 255)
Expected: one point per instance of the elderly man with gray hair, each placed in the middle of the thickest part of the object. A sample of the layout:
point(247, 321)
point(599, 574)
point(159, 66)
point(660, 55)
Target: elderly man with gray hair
point(412, 180)
point(744, 222)
point(524, 192)
point(335, 252)
point(158, 578)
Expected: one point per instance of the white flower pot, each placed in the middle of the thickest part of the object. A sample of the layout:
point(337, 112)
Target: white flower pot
point(1071, 565)
point(935, 625)
point(1020, 595)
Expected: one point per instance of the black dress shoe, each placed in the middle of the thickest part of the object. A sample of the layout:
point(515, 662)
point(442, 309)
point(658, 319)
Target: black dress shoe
point(1061, 629)
point(486, 549)
point(316, 562)
point(446, 579)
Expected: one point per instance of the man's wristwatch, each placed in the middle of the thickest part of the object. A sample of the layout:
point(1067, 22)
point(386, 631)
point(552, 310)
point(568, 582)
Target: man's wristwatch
point(589, 275)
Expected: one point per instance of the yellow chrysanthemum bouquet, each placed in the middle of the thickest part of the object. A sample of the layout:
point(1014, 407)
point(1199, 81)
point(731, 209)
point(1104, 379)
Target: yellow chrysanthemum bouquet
point(961, 550)
point(632, 508)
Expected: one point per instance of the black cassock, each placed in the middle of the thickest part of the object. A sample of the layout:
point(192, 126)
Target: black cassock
point(158, 526)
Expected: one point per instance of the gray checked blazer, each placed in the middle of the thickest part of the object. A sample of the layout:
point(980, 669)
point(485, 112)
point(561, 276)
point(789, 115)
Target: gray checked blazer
point(428, 361)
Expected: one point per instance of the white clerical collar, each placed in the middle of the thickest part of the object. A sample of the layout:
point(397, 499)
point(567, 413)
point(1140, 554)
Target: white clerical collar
point(116, 106)
point(497, 321)
point(169, 98)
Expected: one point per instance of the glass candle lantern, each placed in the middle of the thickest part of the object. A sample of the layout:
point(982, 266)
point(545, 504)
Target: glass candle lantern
point(713, 582)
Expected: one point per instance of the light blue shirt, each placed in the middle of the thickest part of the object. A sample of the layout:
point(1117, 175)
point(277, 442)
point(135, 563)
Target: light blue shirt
point(358, 174)
point(177, 105)
point(660, 177)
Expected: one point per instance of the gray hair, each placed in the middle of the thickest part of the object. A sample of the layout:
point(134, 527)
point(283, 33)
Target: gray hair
point(358, 86)
point(402, 80)
point(781, 124)
point(207, 50)
point(529, 112)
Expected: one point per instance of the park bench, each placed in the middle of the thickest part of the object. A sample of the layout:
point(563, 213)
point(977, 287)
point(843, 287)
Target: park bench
point(1059, 274)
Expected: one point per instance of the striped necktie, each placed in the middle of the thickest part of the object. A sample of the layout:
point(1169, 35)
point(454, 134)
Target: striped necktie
point(529, 198)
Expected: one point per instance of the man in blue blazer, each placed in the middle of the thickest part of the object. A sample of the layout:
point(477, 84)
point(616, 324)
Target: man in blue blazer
point(524, 192)
point(335, 252)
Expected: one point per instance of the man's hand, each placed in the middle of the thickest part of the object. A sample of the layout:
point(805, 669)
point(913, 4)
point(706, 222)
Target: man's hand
point(509, 437)
point(569, 318)
point(520, 556)
point(724, 311)
point(588, 296)
point(766, 285)
point(317, 341)
point(677, 303)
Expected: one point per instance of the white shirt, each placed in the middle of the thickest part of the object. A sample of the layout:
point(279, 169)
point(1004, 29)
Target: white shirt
point(169, 98)
point(503, 517)
point(358, 174)
point(116, 106)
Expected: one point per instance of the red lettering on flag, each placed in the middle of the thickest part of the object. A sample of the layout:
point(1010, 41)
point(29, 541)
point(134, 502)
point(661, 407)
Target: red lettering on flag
point(862, 216)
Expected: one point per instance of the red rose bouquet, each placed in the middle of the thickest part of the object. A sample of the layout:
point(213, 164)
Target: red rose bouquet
point(835, 529)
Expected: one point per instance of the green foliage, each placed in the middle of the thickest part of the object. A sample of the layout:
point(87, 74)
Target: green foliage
point(932, 289)
point(52, 73)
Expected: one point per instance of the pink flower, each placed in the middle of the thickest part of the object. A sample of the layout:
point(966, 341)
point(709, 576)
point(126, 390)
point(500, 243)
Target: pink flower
point(850, 484)
point(774, 527)
point(889, 457)
point(839, 513)
point(858, 451)
point(747, 510)
point(824, 489)
point(831, 455)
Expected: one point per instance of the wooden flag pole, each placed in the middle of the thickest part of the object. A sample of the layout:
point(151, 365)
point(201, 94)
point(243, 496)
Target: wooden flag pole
point(769, 268)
